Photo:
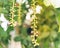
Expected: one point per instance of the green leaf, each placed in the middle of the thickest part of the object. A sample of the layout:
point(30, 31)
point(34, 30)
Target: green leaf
point(42, 36)
point(1, 9)
point(0, 46)
point(10, 28)
point(3, 34)
point(58, 17)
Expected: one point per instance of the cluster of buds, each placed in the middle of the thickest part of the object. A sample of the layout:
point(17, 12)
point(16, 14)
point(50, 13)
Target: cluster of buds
point(34, 40)
point(34, 33)
point(17, 11)
point(34, 26)
point(12, 14)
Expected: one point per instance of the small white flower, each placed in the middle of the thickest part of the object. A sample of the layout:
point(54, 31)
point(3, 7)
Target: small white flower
point(30, 11)
point(38, 9)
point(4, 23)
point(2, 18)
point(27, 6)
point(27, 22)
point(28, 16)
point(28, 19)
point(21, 1)
point(4, 26)
point(26, 2)
point(55, 3)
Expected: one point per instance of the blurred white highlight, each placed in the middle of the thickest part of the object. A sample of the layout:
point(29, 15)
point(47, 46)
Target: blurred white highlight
point(4, 23)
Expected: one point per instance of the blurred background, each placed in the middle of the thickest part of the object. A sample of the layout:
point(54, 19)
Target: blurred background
point(29, 23)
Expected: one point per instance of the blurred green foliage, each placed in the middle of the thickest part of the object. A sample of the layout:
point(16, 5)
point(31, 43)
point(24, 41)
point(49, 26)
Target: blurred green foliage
point(48, 26)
